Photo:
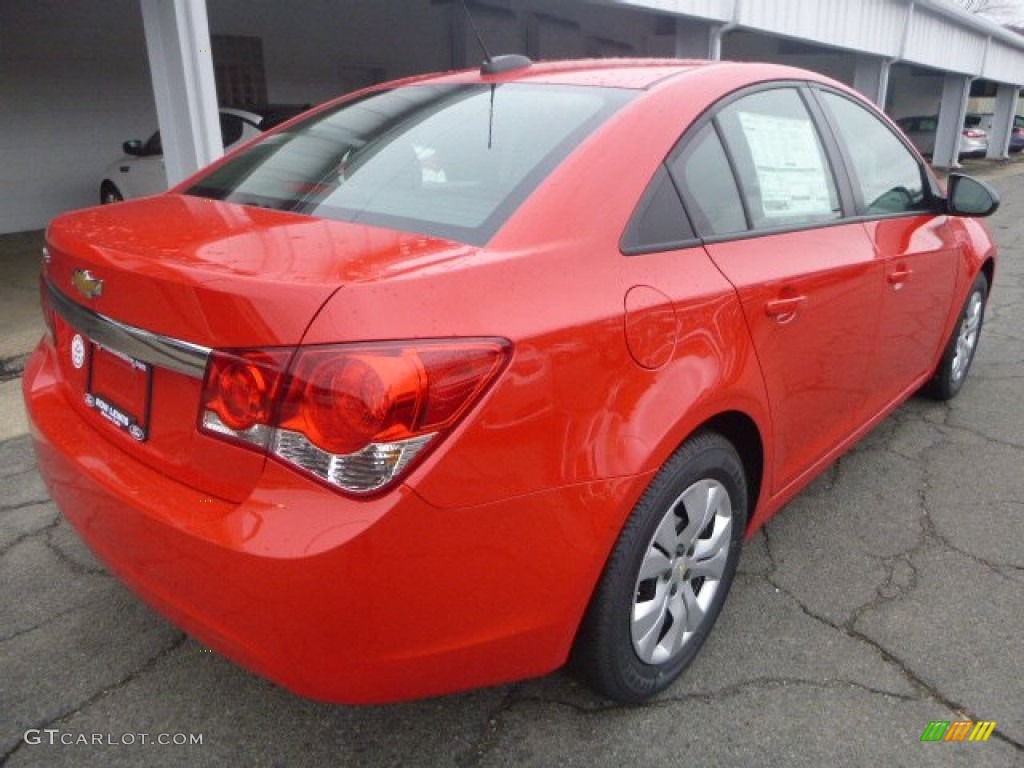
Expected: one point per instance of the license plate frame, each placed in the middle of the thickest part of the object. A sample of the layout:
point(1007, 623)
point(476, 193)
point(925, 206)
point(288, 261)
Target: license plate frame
point(120, 389)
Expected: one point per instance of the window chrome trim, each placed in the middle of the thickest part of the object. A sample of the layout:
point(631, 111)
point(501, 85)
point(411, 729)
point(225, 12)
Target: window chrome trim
point(161, 351)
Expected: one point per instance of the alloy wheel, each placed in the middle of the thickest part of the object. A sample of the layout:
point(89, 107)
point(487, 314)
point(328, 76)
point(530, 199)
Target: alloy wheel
point(967, 336)
point(681, 571)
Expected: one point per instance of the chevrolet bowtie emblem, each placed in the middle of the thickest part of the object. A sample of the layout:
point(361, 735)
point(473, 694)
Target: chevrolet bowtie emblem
point(87, 285)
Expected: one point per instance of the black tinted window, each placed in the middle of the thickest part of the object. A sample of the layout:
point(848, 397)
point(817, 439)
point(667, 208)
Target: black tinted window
point(885, 173)
point(659, 222)
point(712, 198)
point(230, 129)
point(783, 170)
point(278, 115)
point(446, 160)
point(153, 145)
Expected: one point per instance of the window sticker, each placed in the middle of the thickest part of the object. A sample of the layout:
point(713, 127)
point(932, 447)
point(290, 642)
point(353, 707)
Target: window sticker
point(790, 173)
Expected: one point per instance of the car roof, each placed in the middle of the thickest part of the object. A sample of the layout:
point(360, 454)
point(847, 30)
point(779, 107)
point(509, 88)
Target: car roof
point(610, 73)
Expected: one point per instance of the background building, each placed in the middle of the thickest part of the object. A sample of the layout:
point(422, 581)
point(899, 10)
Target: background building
point(78, 77)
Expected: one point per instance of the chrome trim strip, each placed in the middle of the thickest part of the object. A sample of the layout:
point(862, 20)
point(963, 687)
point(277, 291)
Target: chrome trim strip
point(161, 351)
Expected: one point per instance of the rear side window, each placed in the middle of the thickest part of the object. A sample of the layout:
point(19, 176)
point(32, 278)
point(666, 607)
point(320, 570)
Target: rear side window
point(659, 222)
point(783, 170)
point(452, 161)
point(230, 128)
point(886, 175)
point(712, 197)
point(153, 145)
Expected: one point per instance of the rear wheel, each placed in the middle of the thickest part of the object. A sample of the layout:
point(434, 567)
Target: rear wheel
point(956, 360)
point(668, 575)
point(109, 193)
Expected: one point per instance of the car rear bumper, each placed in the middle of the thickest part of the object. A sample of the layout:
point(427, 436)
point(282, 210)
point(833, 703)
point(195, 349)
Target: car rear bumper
point(973, 147)
point(339, 600)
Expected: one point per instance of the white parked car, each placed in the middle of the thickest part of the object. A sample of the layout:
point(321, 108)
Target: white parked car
point(141, 171)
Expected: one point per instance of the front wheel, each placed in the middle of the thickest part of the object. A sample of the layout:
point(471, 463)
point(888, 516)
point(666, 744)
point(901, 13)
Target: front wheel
point(959, 353)
point(668, 575)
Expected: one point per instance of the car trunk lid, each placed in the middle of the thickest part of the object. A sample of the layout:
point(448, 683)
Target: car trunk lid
point(144, 289)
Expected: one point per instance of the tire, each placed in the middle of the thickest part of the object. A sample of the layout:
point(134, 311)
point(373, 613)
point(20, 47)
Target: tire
point(668, 574)
point(110, 193)
point(958, 355)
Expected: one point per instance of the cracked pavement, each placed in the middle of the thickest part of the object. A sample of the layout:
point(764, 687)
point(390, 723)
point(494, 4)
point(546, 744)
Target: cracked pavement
point(888, 594)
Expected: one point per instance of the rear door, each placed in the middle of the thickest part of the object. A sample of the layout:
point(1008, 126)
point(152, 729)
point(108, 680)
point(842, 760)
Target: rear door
point(917, 248)
point(761, 190)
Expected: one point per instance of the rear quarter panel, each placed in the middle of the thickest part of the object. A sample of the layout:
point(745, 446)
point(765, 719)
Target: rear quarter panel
point(573, 406)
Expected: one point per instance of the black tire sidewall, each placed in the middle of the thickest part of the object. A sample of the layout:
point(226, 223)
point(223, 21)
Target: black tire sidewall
point(943, 386)
point(618, 672)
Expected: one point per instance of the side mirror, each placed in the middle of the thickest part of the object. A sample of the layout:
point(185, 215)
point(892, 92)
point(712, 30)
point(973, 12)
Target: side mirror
point(970, 197)
point(133, 147)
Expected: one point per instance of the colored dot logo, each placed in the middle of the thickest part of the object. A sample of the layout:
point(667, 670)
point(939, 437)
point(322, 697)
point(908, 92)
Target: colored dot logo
point(77, 351)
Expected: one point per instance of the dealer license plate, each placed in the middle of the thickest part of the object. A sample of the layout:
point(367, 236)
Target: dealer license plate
point(119, 389)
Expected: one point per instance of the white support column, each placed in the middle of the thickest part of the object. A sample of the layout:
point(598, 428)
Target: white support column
point(871, 78)
point(1002, 122)
point(955, 90)
point(178, 44)
point(718, 33)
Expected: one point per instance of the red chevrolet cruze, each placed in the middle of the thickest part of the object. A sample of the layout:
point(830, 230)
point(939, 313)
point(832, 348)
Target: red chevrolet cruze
point(458, 378)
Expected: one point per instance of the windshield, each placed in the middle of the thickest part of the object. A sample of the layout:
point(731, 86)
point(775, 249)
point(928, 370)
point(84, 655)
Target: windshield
point(451, 161)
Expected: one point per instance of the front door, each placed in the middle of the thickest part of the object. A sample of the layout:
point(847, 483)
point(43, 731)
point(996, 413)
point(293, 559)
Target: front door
point(916, 247)
point(762, 192)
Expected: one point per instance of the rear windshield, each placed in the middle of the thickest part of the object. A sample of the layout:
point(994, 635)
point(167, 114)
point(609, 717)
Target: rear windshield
point(451, 161)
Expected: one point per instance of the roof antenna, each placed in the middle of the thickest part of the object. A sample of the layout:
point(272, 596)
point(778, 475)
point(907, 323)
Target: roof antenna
point(476, 31)
point(494, 65)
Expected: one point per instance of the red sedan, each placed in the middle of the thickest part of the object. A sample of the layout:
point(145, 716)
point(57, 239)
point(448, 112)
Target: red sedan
point(448, 382)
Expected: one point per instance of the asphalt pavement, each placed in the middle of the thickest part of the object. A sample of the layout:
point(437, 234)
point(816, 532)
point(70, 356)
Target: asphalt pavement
point(888, 595)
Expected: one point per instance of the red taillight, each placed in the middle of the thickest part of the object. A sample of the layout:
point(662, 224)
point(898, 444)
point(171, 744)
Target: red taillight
point(346, 405)
point(242, 388)
point(354, 415)
point(974, 133)
point(455, 378)
point(343, 399)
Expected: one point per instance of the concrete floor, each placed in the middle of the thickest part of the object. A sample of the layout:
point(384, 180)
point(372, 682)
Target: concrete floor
point(21, 325)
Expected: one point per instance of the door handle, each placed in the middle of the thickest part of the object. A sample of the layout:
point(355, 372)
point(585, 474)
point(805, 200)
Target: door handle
point(899, 276)
point(784, 310)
